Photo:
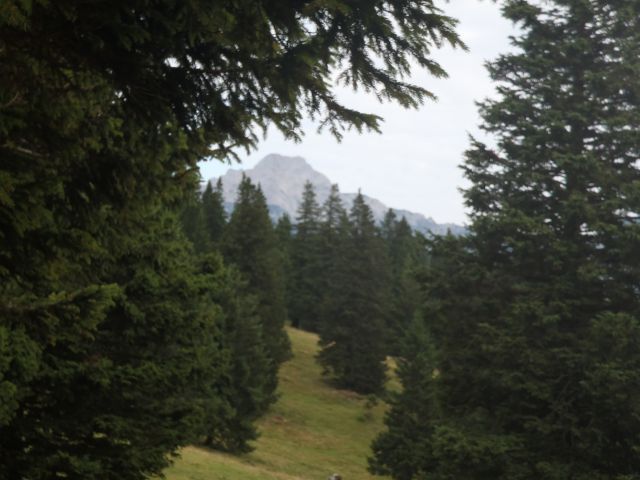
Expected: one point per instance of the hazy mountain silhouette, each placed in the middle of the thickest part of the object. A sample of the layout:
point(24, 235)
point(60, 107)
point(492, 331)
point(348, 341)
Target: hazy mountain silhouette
point(282, 180)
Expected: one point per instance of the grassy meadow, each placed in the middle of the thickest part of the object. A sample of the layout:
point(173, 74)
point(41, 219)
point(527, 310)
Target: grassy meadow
point(310, 433)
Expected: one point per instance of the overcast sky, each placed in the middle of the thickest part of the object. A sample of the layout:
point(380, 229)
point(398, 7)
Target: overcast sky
point(414, 163)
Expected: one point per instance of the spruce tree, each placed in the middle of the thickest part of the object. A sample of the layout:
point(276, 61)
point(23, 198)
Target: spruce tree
point(397, 451)
point(535, 315)
point(284, 237)
point(249, 243)
point(332, 213)
point(284, 234)
point(407, 258)
point(388, 226)
point(241, 393)
point(129, 361)
point(193, 222)
point(243, 390)
point(306, 294)
point(215, 216)
point(105, 109)
point(334, 231)
point(352, 336)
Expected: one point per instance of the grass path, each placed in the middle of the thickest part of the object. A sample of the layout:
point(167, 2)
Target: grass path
point(310, 433)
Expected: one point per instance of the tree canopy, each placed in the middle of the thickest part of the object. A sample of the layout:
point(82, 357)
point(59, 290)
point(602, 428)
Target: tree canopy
point(534, 317)
point(352, 335)
point(221, 69)
point(105, 109)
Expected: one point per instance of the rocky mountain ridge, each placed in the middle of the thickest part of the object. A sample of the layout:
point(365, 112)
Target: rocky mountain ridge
point(282, 180)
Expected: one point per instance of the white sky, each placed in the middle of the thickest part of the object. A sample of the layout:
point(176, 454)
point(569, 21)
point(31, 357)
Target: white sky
point(413, 164)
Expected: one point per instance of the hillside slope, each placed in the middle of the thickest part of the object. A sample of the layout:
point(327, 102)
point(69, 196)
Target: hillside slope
point(312, 431)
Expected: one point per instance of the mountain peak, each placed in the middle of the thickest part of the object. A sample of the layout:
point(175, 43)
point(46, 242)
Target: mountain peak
point(283, 178)
point(276, 162)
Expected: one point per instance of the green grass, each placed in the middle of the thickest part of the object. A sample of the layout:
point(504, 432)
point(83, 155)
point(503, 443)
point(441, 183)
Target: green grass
point(311, 432)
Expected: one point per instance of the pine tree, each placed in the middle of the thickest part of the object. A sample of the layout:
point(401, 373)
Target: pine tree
point(306, 293)
point(249, 243)
point(353, 332)
point(535, 315)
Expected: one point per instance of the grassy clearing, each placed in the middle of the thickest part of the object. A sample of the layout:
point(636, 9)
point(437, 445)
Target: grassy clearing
point(311, 432)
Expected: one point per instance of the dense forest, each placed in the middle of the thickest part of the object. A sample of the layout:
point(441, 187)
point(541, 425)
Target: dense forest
point(117, 344)
point(138, 316)
point(330, 271)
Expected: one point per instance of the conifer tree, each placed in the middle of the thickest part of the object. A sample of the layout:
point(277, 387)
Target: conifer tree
point(407, 258)
point(306, 293)
point(215, 216)
point(250, 243)
point(243, 390)
point(105, 109)
point(536, 315)
point(353, 334)
point(333, 233)
point(114, 348)
point(193, 222)
point(397, 452)
point(241, 393)
point(284, 233)
point(388, 226)
point(333, 212)
point(284, 237)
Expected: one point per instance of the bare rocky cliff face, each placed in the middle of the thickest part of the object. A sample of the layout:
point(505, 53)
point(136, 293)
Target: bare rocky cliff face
point(282, 180)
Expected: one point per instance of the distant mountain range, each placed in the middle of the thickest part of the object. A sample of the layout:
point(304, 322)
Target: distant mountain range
point(282, 180)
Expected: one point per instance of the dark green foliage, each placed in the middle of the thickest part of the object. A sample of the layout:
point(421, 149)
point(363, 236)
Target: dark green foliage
point(407, 254)
point(203, 218)
point(284, 232)
point(250, 244)
point(193, 223)
point(215, 216)
point(284, 238)
point(101, 330)
point(401, 451)
point(352, 336)
point(334, 230)
point(409, 448)
point(244, 390)
point(307, 274)
point(333, 214)
point(244, 387)
point(182, 53)
point(535, 315)
point(108, 340)
point(149, 328)
point(333, 235)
